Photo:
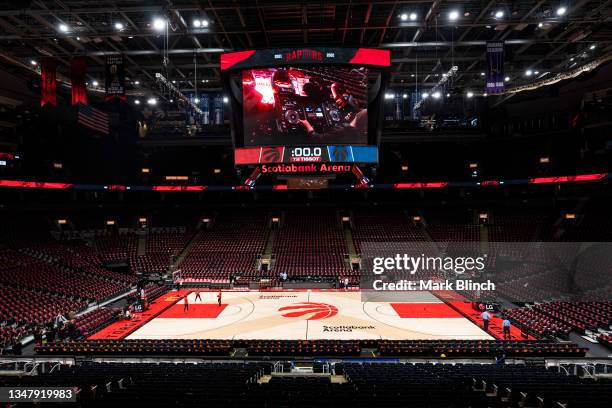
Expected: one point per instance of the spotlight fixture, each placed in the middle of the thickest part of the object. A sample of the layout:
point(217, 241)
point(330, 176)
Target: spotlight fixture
point(200, 23)
point(171, 100)
point(404, 17)
point(485, 94)
point(119, 26)
point(436, 95)
point(405, 96)
point(506, 79)
point(536, 72)
point(529, 72)
point(413, 16)
point(561, 11)
point(152, 101)
point(499, 14)
point(453, 15)
point(592, 47)
point(63, 28)
point(540, 25)
point(225, 99)
point(425, 95)
point(470, 94)
point(33, 62)
point(196, 100)
point(448, 95)
point(136, 101)
point(159, 24)
point(482, 74)
point(94, 83)
point(136, 82)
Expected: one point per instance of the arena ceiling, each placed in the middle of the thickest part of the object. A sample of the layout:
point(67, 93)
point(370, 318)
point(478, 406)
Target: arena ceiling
point(427, 37)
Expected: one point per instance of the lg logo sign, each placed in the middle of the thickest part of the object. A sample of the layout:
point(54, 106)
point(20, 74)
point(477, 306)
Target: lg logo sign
point(309, 310)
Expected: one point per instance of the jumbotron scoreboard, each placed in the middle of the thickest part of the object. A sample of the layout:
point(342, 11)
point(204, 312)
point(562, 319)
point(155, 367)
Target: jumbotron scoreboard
point(306, 154)
point(304, 108)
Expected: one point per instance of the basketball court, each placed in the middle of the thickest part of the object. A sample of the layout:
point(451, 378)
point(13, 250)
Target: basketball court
point(298, 315)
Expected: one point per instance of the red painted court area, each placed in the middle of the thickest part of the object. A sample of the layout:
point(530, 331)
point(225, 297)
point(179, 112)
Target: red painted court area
point(424, 310)
point(197, 311)
point(120, 329)
point(464, 307)
point(495, 323)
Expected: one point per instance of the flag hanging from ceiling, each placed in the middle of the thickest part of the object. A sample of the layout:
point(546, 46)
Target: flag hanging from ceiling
point(495, 67)
point(217, 110)
point(93, 118)
point(115, 77)
point(205, 106)
point(48, 85)
point(78, 68)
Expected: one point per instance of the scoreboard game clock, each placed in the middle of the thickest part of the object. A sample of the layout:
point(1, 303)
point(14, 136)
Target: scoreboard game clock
point(315, 106)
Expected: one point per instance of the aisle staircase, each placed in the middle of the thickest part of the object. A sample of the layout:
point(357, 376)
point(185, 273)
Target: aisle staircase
point(141, 249)
point(187, 248)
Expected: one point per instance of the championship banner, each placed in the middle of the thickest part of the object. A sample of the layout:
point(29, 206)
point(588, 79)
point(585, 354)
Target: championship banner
point(205, 106)
point(48, 85)
point(495, 67)
point(115, 77)
point(78, 68)
point(218, 110)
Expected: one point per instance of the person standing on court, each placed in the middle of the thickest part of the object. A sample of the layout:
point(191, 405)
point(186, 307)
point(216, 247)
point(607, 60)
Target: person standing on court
point(486, 316)
point(219, 297)
point(186, 303)
point(506, 325)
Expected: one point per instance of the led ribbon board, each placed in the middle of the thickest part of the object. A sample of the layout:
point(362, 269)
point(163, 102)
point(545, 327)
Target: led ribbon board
point(314, 55)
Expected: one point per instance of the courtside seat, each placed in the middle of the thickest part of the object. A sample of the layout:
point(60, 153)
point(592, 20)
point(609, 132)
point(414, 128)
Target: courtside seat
point(139, 347)
point(93, 321)
point(479, 348)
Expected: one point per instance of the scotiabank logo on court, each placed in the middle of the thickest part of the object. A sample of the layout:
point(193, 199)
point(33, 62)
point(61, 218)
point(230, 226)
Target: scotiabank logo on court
point(310, 310)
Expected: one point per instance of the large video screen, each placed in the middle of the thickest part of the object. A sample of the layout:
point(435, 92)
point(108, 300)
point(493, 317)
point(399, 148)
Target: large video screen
point(305, 106)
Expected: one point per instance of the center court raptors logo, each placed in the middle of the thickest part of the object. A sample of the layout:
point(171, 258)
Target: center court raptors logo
point(313, 310)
